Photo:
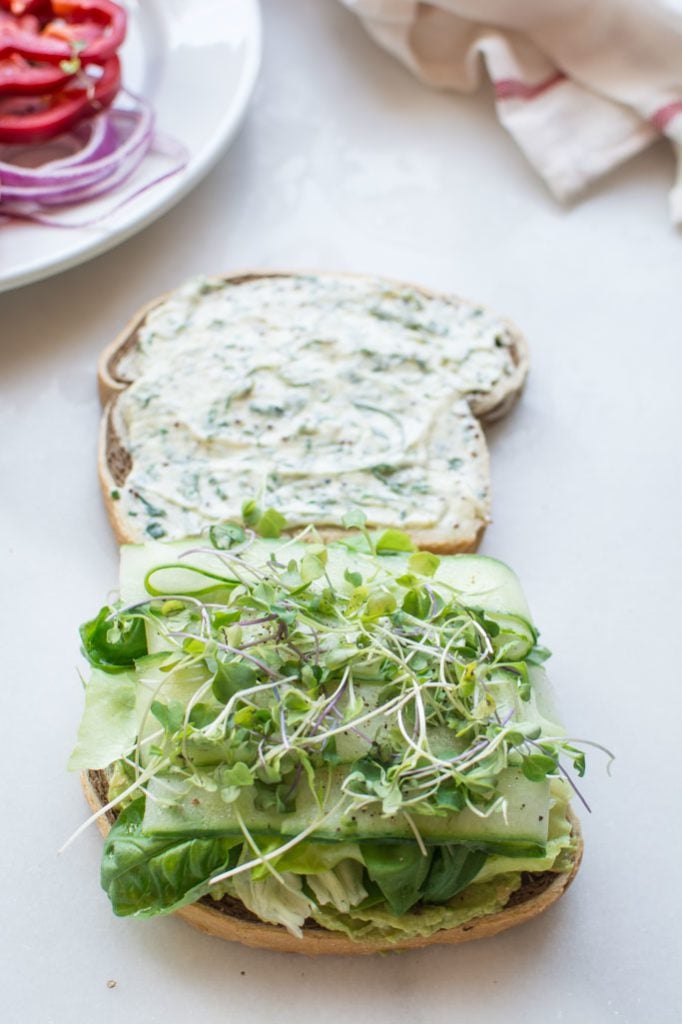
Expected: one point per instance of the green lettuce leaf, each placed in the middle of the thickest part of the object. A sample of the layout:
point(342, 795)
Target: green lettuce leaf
point(276, 900)
point(341, 886)
point(109, 724)
point(313, 858)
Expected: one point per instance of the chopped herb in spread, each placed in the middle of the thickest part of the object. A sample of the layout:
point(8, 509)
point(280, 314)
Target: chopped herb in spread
point(315, 393)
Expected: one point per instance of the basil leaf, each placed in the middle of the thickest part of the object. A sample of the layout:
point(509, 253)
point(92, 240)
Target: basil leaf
point(452, 869)
point(145, 875)
point(399, 869)
point(113, 644)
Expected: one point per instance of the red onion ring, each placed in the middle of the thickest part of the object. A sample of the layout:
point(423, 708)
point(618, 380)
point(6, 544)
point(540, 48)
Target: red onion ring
point(102, 153)
point(92, 138)
point(61, 184)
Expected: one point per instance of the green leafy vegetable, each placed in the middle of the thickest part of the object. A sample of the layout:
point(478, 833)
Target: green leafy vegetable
point(251, 512)
point(417, 602)
point(380, 602)
point(239, 775)
point(226, 535)
point(144, 875)
point(109, 724)
point(399, 869)
point(354, 520)
point(394, 541)
point(424, 563)
point(231, 677)
point(266, 523)
point(537, 766)
point(379, 923)
point(271, 523)
point(452, 869)
point(112, 642)
point(171, 716)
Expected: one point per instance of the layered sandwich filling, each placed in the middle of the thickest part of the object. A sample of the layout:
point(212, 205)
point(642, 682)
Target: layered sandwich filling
point(360, 734)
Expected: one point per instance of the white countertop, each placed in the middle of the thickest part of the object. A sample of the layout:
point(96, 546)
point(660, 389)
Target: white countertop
point(346, 163)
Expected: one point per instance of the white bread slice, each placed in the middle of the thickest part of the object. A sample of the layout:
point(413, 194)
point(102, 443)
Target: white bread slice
point(229, 920)
point(116, 463)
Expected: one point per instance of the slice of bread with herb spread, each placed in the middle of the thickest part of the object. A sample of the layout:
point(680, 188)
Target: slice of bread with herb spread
point(325, 748)
point(315, 393)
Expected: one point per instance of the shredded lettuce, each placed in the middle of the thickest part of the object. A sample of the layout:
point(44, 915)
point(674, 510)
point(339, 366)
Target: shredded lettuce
point(280, 898)
point(380, 924)
point(340, 887)
point(277, 900)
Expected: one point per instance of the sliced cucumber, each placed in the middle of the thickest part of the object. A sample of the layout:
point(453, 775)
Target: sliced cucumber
point(520, 829)
point(485, 583)
point(480, 582)
point(516, 638)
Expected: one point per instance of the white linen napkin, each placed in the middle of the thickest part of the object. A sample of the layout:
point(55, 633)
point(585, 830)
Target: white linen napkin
point(581, 85)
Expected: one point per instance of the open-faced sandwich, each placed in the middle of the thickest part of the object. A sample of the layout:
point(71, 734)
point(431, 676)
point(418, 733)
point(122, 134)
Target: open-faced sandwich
point(317, 392)
point(326, 748)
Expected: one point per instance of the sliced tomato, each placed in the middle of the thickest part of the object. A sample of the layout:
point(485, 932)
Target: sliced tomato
point(91, 30)
point(26, 119)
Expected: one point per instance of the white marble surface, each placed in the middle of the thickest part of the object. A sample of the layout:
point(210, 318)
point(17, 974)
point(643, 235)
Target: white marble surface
point(345, 162)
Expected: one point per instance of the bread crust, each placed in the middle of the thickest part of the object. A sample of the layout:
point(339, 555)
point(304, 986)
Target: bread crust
point(535, 895)
point(114, 461)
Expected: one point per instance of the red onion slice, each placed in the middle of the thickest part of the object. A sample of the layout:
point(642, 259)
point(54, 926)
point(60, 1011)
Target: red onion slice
point(93, 138)
point(100, 155)
point(132, 137)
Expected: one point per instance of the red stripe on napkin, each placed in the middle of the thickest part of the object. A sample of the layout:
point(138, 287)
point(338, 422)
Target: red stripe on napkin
point(515, 89)
point(664, 116)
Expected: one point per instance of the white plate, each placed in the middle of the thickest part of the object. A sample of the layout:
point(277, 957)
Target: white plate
point(196, 61)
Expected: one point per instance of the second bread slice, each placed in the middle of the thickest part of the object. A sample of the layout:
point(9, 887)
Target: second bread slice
point(315, 394)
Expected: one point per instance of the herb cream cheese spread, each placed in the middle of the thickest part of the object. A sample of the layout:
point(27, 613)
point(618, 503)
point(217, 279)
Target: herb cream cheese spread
point(314, 394)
